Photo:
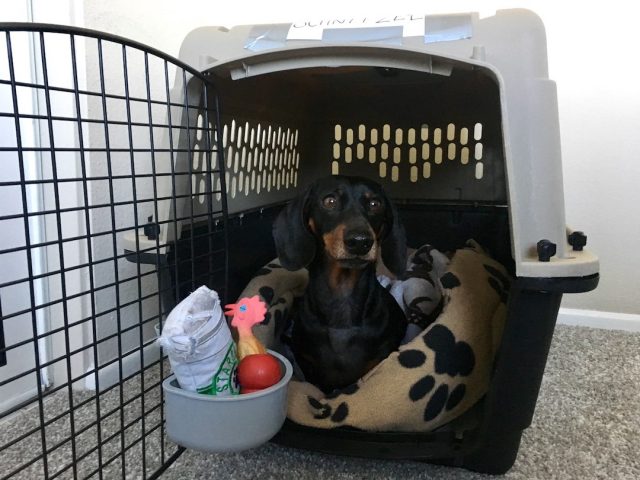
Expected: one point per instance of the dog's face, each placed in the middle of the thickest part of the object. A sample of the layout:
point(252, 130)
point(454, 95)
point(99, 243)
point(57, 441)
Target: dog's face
point(348, 219)
point(349, 216)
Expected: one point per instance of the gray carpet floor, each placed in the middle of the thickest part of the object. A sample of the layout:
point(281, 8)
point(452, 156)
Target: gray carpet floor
point(586, 426)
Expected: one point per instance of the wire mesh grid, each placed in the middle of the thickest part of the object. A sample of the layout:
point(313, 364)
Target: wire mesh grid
point(105, 147)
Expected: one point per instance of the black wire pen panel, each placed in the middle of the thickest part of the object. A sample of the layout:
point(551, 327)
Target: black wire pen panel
point(100, 137)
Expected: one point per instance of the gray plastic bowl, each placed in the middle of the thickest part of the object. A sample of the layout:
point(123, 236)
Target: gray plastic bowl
point(226, 424)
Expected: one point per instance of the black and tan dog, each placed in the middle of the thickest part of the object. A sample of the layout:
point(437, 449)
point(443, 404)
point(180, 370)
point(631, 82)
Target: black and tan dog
point(346, 322)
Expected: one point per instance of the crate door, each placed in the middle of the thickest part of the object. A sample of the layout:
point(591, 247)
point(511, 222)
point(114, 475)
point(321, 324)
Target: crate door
point(109, 162)
point(18, 326)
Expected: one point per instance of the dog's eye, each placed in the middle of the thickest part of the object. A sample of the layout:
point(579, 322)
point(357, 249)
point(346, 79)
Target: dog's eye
point(330, 202)
point(374, 204)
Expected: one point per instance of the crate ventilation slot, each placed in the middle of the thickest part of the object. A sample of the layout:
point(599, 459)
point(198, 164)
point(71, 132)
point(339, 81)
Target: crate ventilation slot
point(259, 157)
point(422, 149)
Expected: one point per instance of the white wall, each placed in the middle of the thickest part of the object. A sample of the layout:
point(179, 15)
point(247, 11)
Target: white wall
point(592, 50)
point(14, 266)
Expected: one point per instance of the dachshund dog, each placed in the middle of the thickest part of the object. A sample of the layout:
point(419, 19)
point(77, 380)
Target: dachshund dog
point(346, 322)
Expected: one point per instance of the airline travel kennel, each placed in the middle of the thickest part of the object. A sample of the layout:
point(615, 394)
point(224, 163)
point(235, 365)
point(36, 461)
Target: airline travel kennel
point(130, 178)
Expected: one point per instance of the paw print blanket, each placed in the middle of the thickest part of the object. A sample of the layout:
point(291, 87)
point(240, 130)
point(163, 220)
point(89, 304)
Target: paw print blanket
point(456, 311)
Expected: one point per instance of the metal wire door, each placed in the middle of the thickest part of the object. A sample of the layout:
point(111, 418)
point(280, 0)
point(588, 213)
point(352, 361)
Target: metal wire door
point(110, 170)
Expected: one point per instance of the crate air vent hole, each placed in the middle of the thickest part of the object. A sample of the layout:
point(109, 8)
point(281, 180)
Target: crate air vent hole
point(418, 148)
point(204, 163)
point(260, 157)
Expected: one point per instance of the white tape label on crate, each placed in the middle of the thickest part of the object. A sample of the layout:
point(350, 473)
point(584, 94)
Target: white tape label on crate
point(446, 28)
point(358, 28)
point(386, 29)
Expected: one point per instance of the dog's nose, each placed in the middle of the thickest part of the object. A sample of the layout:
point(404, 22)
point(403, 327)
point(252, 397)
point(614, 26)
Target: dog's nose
point(358, 243)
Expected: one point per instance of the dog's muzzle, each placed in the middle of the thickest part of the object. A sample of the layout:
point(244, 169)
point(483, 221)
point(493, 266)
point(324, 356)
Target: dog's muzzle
point(358, 243)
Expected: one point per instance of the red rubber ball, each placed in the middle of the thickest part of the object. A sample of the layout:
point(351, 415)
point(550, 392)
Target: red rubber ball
point(258, 371)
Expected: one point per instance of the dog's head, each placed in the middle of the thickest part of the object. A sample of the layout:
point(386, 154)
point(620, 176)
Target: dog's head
point(348, 219)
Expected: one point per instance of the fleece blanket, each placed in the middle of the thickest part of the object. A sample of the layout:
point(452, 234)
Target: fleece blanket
point(456, 310)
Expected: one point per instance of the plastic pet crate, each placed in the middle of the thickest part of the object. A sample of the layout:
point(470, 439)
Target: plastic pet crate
point(461, 128)
point(180, 167)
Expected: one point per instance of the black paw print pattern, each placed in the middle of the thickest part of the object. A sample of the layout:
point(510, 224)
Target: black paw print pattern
point(267, 294)
point(324, 410)
point(443, 398)
point(453, 358)
point(499, 282)
point(449, 281)
point(280, 316)
point(267, 269)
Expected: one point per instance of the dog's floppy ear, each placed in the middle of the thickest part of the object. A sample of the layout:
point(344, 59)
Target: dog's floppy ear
point(295, 244)
point(394, 242)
